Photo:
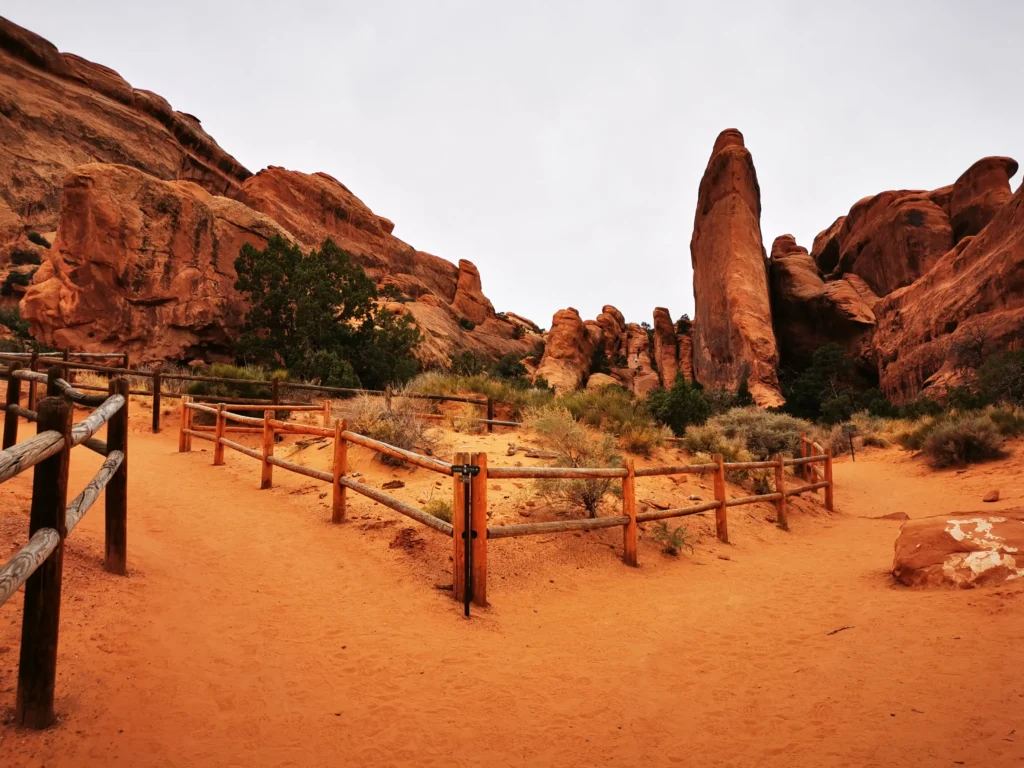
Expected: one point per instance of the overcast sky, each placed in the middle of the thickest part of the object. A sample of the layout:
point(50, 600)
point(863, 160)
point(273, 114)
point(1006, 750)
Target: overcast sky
point(559, 145)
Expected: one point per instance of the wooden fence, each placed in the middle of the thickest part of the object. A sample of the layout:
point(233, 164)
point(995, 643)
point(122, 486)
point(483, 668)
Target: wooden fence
point(468, 529)
point(39, 564)
point(157, 377)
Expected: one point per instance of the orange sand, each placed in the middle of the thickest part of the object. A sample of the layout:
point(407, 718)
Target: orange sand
point(251, 632)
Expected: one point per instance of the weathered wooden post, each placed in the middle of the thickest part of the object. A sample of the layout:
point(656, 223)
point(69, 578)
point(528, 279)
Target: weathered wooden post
point(458, 532)
point(629, 530)
point(182, 425)
point(327, 411)
point(721, 521)
point(126, 360)
point(67, 358)
point(156, 401)
point(267, 474)
point(13, 402)
point(804, 470)
point(218, 433)
point(829, 497)
point(340, 469)
point(52, 374)
point(116, 560)
point(37, 667)
point(478, 521)
point(490, 414)
point(780, 487)
point(275, 391)
point(33, 366)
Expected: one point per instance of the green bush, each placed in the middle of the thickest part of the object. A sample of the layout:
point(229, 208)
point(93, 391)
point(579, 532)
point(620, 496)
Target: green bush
point(21, 257)
point(467, 363)
point(10, 317)
point(517, 331)
point(643, 439)
point(680, 407)
point(960, 440)
point(259, 389)
point(599, 361)
point(919, 408)
point(611, 408)
point(684, 324)
point(558, 431)
point(520, 397)
point(1009, 421)
point(15, 278)
point(706, 440)
point(763, 433)
point(35, 237)
point(1001, 377)
point(466, 324)
point(672, 540)
point(510, 368)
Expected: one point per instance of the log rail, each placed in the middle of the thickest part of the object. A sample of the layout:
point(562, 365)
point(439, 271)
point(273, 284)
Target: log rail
point(38, 565)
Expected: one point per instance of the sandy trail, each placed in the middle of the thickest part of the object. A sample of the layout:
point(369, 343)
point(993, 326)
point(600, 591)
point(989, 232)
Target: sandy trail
point(251, 632)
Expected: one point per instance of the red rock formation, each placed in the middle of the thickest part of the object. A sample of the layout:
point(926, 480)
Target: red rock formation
point(469, 300)
point(643, 377)
point(685, 346)
point(567, 353)
point(963, 550)
point(666, 347)
point(613, 327)
point(889, 240)
point(979, 193)
point(810, 313)
point(60, 111)
point(975, 288)
point(733, 324)
point(144, 265)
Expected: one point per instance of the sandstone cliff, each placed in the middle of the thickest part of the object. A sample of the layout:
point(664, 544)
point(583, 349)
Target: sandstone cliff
point(733, 323)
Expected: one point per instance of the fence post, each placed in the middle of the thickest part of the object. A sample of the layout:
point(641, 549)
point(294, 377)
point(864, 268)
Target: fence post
point(13, 401)
point(37, 667)
point(267, 475)
point(829, 498)
point(181, 424)
point(67, 358)
point(340, 469)
point(116, 560)
point(780, 487)
point(804, 473)
point(478, 520)
point(126, 359)
point(190, 416)
point(490, 413)
point(218, 433)
point(52, 374)
point(32, 366)
point(327, 411)
point(458, 531)
point(275, 390)
point(721, 521)
point(156, 401)
point(629, 530)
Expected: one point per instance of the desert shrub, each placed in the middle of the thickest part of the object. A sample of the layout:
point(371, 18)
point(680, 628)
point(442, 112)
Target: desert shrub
point(21, 257)
point(643, 439)
point(762, 482)
point(599, 361)
point(440, 507)
point(517, 331)
point(393, 293)
point(913, 438)
point(919, 408)
point(319, 309)
point(35, 237)
point(962, 439)
point(518, 395)
point(510, 368)
point(762, 433)
point(610, 408)
point(875, 441)
point(396, 425)
point(258, 389)
point(1009, 421)
point(466, 324)
point(684, 324)
point(467, 363)
point(13, 279)
point(10, 317)
point(539, 382)
point(672, 540)
point(965, 399)
point(1001, 377)
point(558, 431)
point(706, 440)
point(678, 408)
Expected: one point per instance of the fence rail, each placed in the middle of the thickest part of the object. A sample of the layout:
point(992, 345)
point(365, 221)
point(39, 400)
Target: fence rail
point(39, 563)
point(469, 524)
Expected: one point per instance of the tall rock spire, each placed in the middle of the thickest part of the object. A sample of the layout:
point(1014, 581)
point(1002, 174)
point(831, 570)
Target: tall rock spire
point(733, 337)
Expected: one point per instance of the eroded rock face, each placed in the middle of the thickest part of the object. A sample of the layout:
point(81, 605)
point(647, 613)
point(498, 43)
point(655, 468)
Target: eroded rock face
point(733, 334)
point(642, 376)
point(964, 550)
point(975, 288)
point(143, 265)
point(888, 240)
point(810, 313)
point(666, 347)
point(60, 111)
point(567, 352)
point(613, 327)
point(979, 193)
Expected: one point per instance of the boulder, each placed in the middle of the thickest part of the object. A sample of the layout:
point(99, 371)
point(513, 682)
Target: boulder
point(143, 265)
point(601, 380)
point(61, 111)
point(979, 193)
point(809, 312)
point(567, 353)
point(733, 336)
point(889, 240)
point(666, 347)
point(962, 550)
point(976, 289)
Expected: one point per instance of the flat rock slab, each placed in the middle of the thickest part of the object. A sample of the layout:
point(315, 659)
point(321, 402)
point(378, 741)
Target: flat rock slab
point(963, 550)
